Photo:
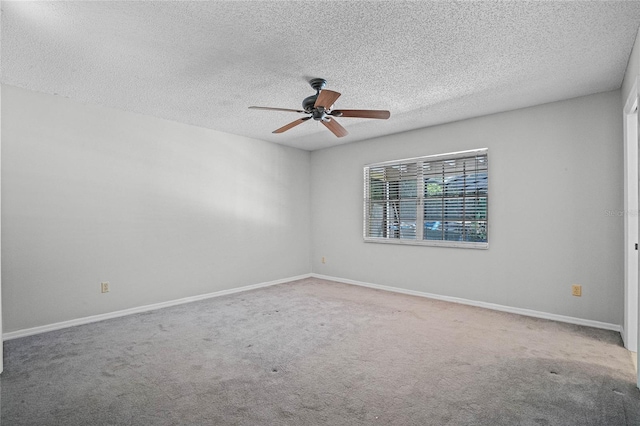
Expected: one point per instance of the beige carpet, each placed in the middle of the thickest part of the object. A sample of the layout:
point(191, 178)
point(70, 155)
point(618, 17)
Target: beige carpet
point(314, 352)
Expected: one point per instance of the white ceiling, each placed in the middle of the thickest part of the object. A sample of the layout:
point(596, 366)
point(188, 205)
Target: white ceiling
point(204, 63)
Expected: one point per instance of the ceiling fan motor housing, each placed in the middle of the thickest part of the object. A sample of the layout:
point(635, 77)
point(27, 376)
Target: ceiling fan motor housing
point(317, 84)
point(309, 102)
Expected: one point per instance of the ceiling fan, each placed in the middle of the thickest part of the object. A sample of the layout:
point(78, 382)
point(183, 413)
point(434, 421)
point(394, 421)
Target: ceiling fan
point(320, 108)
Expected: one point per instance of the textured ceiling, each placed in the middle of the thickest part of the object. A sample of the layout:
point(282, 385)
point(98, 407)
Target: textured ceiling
point(204, 63)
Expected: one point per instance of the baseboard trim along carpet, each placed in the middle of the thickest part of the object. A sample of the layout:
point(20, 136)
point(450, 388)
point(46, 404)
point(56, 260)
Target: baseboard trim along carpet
point(493, 306)
point(100, 317)
point(94, 318)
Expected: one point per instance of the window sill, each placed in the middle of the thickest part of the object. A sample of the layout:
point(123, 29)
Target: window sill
point(406, 242)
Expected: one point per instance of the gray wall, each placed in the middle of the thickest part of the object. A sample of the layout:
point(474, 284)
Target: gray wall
point(633, 69)
point(159, 209)
point(555, 189)
point(164, 210)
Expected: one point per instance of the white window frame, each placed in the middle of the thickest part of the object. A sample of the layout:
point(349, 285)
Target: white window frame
point(419, 161)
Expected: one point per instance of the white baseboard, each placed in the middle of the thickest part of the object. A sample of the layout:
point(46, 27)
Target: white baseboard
point(623, 334)
point(493, 306)
point(94, 318)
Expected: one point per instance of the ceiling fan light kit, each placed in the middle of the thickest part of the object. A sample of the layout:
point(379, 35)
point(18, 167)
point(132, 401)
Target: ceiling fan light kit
point(320, 108)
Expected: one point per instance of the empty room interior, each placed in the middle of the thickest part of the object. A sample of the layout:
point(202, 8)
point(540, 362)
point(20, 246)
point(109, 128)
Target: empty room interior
point(310, 213)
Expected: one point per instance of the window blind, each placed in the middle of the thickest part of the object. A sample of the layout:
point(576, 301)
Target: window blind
point(433, 200)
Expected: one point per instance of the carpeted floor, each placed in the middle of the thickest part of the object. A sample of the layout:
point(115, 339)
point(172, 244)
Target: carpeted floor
point(314, 352)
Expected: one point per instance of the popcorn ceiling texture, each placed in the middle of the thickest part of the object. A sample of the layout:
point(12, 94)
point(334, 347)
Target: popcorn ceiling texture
point(204, 63)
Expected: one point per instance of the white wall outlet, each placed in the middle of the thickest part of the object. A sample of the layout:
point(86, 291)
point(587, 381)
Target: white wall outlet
point(324, 260)
point(104, 287)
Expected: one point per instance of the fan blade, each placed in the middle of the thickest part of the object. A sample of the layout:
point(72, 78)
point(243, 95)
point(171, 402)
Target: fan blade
point(335, 127)
point(292, 124)
point(279, 109)
point(362, 113)
point(326, 98)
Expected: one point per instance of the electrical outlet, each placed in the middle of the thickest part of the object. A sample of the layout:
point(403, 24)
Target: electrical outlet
point(323, 260)
point(576, 290)
point(104, 287)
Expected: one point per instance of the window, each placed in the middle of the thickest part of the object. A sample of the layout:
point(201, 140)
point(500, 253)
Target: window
point(436, 200)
